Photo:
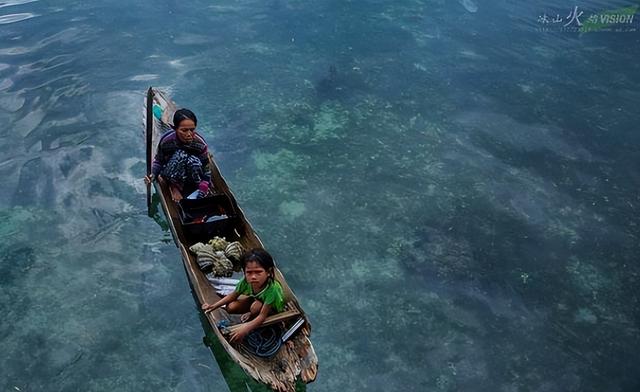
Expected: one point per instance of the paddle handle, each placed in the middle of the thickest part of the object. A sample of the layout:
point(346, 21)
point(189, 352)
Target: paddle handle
point(149, 141)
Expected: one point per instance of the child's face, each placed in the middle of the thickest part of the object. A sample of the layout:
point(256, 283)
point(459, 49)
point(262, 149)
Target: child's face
point(255, 275)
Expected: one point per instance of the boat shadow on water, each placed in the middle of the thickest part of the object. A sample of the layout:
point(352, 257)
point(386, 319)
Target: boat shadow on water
point(155, 212)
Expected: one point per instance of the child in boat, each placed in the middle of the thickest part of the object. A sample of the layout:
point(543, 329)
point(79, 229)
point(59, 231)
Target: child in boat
point(257, 295)
point(182, 158)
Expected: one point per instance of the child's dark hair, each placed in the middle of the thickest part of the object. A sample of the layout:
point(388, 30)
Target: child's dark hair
point(260, 256)
point(183, 114)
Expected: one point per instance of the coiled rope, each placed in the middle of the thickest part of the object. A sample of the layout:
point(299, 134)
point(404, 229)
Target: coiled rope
point(264, 342)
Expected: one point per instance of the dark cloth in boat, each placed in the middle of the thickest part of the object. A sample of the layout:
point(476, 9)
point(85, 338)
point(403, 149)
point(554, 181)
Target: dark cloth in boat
point(183, 164)
point(184, 170)
point(272, 294)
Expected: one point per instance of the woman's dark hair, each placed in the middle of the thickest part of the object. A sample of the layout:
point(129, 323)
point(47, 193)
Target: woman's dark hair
point(260, 256)
point(183, 114)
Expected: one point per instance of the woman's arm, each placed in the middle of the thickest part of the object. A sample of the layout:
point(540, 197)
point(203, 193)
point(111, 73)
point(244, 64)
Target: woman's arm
point(159, 160)
point(227, 299)
point(240, 333)
point(156, 166)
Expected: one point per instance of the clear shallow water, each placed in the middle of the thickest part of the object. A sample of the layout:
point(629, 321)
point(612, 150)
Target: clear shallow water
point(455, 206)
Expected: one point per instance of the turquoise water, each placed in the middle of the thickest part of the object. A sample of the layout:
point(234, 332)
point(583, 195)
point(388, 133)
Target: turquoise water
point(451, 191)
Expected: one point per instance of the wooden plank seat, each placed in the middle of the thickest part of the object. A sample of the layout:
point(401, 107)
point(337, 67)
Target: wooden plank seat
point(273, 319)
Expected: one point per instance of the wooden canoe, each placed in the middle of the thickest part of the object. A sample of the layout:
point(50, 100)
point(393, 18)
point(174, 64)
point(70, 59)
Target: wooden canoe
point(296, 359)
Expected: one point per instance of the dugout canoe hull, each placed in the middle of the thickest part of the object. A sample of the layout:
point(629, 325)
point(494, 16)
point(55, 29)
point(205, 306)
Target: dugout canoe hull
point(296, 359)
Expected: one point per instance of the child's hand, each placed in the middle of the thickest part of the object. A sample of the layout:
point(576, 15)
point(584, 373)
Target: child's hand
point(245, 317)
point(207, 308)
point(239, 334)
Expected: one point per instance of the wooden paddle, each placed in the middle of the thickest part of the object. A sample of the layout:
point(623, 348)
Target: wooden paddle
point(149, 142)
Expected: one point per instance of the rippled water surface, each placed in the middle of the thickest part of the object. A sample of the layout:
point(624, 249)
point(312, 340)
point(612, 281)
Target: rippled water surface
point(450, 188)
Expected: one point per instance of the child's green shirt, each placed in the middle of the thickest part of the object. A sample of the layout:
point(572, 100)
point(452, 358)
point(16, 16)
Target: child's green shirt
point(272, 294)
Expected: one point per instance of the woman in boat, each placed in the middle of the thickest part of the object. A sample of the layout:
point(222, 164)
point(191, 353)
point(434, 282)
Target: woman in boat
point(182, 158)
point(257, 295)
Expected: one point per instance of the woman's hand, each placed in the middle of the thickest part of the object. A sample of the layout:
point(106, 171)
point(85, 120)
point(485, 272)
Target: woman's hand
point(148, 179)
point(239, 334)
